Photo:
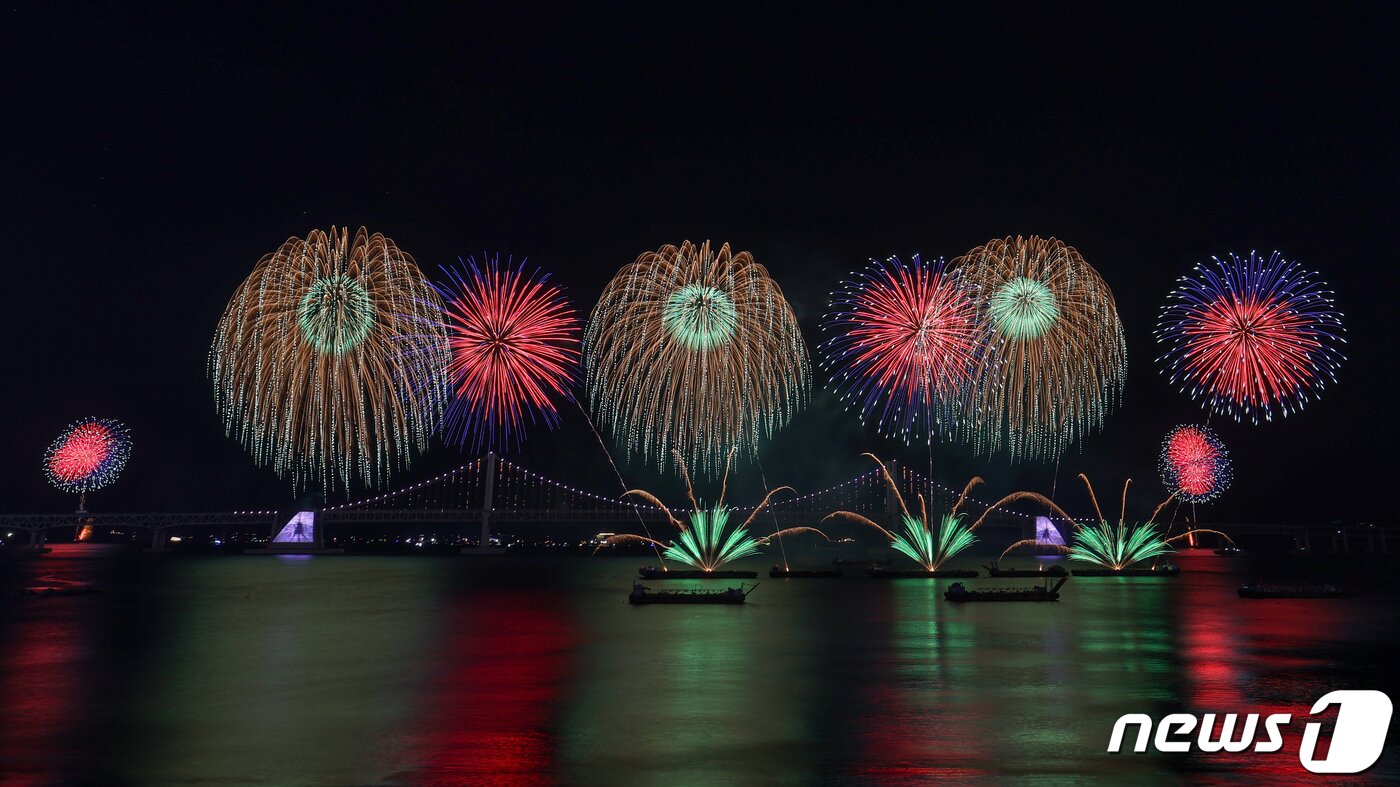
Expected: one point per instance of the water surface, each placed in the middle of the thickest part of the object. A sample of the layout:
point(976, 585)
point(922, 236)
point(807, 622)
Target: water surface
point(400, 670)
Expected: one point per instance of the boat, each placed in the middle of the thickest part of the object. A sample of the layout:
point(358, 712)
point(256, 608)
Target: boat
point(862, 561)
point(959, 592)
point(994, 569)
point(645, 595)
point(652, 572)
point(1228, 551)
point(1261, 590)
point(880, 572)
point(778, 572)
point(1158, 571)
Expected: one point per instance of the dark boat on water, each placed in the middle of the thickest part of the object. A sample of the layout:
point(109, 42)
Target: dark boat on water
point(880, 572)
point(778, 572)
point(652, 572)
point(995, 570)
point(1229, 551)
point(959, 592)
point(1260, 590)
point(1159, 571)
point(645, 595)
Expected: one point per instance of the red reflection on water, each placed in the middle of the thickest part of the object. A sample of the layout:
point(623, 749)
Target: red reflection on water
point(904, 744)
point(1257, 656)
point(490, 711)
point(42, 684)
point(911, 729)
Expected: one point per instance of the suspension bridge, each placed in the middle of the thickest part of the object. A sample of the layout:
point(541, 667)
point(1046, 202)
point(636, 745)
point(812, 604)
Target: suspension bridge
point(492, 490)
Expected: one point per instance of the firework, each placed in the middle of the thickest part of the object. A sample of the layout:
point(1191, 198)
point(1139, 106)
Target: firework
point(327, 363)
point(88, 455)
point(1251, 337)
point(918, 540)
point(1194, 463)
point(708, 541)
point(907, 339)
point(1031, 542)
point(1117, 547)
point(1112, 546)
point(514, 340)
point(1058, 357)
point(696, 352)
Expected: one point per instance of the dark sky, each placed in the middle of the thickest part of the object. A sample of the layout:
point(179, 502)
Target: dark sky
point(152, 155)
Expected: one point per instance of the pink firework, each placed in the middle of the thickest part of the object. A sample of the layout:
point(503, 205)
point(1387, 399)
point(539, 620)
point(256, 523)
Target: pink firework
point(907, 341)
point(1194, 463)
point(514, 343)
point(89, 455)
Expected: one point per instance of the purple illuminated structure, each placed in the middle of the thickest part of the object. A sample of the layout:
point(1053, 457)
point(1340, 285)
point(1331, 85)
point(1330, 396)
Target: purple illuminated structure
point(300, 529)
point(1046, 534)
point(298, 537)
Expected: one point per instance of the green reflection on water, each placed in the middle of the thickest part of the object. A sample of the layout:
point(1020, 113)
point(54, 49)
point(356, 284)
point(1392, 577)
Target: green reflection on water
point(282, 671)
point(690, 695)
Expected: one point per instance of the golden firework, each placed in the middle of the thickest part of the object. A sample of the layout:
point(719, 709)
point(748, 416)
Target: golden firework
point(327, 363)
point(695, 351)
point(1058, 357)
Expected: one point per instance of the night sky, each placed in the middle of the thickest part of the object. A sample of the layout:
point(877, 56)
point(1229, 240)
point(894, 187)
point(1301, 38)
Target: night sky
point(152, 155)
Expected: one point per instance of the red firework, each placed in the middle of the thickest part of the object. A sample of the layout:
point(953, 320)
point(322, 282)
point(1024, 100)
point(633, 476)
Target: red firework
point(1194, 463)
point(1251, 335)
point(514, 340)
point(82, 453)
point(907, 341)
point(88, 455)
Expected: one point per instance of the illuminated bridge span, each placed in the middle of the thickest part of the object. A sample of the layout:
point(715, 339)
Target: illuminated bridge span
point(491, 491)
point(513, 493)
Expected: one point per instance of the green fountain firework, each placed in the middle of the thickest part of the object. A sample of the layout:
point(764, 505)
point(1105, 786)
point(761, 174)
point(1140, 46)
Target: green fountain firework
point(708, 540)
point(918, 539)
point(1114, 546)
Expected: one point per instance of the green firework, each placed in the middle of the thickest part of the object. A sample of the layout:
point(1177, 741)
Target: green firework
point(931, 550)
point(1023, 308)
point(1118, 546)
point(701, 317)
point(918, 539)
point(335, 314)
point(709, 542)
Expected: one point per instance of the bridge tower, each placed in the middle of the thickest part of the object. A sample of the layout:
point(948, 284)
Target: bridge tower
point(488, 502)
point(893, 519)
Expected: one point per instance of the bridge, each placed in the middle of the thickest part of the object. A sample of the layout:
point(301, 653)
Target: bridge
point(492, 490)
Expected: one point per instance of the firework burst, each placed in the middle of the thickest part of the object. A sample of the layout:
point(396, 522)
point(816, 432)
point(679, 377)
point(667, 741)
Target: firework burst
point(919, 541)
point(708, 540)
point(1194, 463)
point(514, 340)
point(1058, 357)
point(328, 361)
point(1251, 337)
point(694, 351)
point(1104, 543)
point(88, 455)
point(906, 341)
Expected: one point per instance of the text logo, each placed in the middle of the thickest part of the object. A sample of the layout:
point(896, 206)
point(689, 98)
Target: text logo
point(1363, 719)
